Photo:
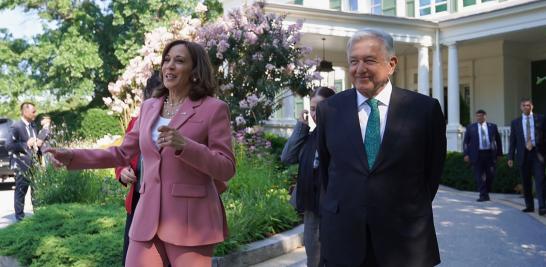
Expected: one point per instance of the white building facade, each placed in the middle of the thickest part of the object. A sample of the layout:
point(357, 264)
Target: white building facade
point(469, 54)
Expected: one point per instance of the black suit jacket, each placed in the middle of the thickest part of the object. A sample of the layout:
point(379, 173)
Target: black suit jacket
point(21, 154)
point(394, 198)
point(517, 138)
point(471, 142)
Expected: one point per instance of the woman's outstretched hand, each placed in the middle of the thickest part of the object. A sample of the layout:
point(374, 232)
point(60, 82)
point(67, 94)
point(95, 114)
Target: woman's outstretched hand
point(61, 156)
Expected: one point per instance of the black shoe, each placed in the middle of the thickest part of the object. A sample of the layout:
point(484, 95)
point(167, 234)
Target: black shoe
point(542, 212)
point(482, 199)
point(528, 210)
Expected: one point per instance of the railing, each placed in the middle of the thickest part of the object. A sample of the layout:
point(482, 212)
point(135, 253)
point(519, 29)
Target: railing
point(504, 133)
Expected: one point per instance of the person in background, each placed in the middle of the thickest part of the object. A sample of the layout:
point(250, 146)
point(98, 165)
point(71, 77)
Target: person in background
point(301, 148)
point(183, 134)
point(45, 135)
point(528, 148)
point(482, 146)
point(24, 147)
point(131, 175)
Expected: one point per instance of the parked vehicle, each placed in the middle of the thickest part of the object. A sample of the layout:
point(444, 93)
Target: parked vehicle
point(5, 168)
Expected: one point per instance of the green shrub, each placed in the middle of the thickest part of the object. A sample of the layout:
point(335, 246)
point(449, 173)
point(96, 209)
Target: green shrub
point(52, 186)
point(458, 174)
point(83, 123)
point(256, 202)
point(67, 235)
point(256, 205)
point(277, 144)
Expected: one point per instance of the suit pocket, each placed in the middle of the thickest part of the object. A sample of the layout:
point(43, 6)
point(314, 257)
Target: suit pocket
point(331, 206)
point(195, 121)
point(188, 190)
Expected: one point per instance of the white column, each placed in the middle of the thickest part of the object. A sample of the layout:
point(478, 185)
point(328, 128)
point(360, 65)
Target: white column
point(423, 84)
point(288, 106)
point(454, 128)
point(401, 8)
point(437, 73)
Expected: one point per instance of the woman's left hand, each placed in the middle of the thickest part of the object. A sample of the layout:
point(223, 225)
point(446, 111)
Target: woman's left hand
point(170, 137)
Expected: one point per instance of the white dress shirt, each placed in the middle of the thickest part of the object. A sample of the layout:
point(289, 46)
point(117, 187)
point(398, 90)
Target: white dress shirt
point(524, 124)
point(384, 97)
point(488, 142)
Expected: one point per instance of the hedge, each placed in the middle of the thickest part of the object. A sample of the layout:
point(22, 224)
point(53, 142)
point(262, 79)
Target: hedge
point(83, 123)
point(458, 174)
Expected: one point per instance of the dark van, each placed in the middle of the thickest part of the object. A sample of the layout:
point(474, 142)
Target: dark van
point(5, 170)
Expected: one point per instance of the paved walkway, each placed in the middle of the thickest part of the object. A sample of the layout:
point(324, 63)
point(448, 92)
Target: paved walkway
point(470, 233)
point(475, 234)
point(7, 215)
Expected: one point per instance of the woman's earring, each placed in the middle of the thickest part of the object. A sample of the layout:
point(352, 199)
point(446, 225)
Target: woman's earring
point(194, 79)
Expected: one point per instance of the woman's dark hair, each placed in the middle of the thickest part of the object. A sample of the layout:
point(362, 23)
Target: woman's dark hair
point(323, 91)
point(151, 84)
point(202, 72)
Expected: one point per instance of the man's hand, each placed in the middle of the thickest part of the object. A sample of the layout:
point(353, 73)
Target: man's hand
point(128, 176)
point(304, 117)
point(61, 156)
point(510, 163)
point(466, 159)
point(39, 142)
point(31, 142)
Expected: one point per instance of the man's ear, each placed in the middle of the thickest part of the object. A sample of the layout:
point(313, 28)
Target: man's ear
point(392, 63)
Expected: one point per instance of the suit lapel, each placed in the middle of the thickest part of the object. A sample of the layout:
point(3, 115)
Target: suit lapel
point(184, 113)
point(394, 125)
point(352, 122)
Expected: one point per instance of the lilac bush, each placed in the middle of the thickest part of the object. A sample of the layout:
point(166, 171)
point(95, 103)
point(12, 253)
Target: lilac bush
point(256, 57)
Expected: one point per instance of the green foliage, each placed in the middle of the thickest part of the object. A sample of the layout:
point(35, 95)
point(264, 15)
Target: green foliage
point(256, 202)
point(67, 235)
point(458, 174)
point(277, 144)
point(53, 186)
point(256, 205)
point(86, 49)
point(83, 123)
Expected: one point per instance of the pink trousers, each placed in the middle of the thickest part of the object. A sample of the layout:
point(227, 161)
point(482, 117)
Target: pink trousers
point(156, 253)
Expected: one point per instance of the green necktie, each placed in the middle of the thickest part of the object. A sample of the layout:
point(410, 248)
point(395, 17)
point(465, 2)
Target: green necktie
point(372, 140)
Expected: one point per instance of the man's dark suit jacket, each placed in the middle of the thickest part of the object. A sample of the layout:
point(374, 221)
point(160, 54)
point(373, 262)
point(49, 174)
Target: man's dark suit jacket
point(471, 142)
point(21, 154)
point(517, 138)
point(394, 197)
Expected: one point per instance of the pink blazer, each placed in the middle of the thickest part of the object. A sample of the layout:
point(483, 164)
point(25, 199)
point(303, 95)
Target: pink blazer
point(179, 198)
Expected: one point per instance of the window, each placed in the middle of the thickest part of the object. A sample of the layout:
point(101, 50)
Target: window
point(427, 7)
point(335, 4)
point(298, 2)
point(353, 5)
point(469, 2)
point(376, 7)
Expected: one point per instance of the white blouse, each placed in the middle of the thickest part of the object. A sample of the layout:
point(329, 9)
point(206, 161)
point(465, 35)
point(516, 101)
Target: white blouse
point(158, 123)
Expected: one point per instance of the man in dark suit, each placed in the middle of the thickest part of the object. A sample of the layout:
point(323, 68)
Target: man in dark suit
point(482, 145)
point(528, 148)
point(24, 145)
point(381, 151)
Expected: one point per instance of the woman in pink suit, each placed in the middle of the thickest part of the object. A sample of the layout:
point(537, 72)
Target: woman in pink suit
point(183, 134)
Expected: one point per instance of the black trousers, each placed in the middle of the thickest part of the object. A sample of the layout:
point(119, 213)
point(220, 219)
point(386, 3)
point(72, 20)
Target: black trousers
point(369, 261)
point(22, 183)
point(128, 222)
point(484, 172)
point(533, 166)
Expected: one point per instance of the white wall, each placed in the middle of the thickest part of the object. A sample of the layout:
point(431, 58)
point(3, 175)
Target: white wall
point(517, 75)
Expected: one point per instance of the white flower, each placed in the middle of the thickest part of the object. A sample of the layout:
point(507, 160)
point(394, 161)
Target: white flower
point(239, 120)
point(200, 8)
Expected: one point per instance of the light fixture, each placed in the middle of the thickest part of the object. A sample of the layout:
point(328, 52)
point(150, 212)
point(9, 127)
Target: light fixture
point(324, 65)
